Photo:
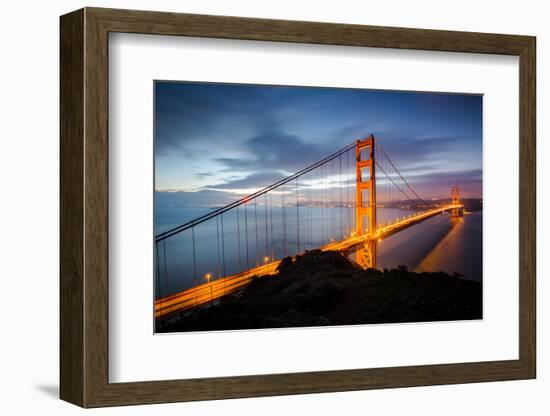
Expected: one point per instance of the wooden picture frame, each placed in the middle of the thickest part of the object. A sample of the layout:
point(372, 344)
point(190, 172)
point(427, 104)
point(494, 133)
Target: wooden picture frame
point(84, 207)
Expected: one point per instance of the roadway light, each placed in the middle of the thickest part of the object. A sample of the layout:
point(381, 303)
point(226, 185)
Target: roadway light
point(266, 259)
point(208, 276)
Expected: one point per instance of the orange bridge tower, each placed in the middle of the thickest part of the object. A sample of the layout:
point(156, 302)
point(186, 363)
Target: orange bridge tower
point(365, 202)
point(455, 200)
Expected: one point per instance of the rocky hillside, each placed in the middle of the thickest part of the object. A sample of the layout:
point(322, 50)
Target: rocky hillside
point(325, 288)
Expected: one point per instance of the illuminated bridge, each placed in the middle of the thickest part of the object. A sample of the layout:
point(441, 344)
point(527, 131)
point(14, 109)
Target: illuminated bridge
point(346, 202)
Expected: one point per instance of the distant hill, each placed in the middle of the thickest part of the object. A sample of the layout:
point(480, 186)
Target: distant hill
point(470, 204)
point(473, 205)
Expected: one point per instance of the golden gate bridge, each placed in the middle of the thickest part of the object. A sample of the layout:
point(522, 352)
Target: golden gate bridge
point(334, 204)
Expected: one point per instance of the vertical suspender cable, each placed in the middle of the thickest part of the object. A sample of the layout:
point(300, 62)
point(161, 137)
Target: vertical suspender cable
point(265, 221)
point(239, 238)
point(256, 225)
point(219, 268)
point(333, 233)
point(350, 176)
point(340, 203)
point(159, 294)
point(246, 235)
point(297, 217)
point(311, 211)
point(325, 198)
point(284, 220)
point(271, 226)
point(165, 268)
point(223, 248)
point(194, 259)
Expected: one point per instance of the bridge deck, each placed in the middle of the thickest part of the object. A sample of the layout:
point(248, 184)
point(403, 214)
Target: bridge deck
point(207, 292)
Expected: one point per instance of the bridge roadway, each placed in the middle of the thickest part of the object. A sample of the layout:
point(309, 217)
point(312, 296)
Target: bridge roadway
point(208, 292)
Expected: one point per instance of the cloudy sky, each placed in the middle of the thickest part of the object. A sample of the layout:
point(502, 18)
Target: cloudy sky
point(214, 142)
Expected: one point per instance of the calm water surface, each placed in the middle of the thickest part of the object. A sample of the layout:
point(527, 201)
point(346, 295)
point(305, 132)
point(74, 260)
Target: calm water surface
point(442, 243)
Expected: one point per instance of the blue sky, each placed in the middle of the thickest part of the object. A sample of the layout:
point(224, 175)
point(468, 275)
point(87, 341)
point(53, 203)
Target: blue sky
point(215, 142)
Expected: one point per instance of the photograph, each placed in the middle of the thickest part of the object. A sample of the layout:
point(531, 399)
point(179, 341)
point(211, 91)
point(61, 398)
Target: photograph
point(279, 206)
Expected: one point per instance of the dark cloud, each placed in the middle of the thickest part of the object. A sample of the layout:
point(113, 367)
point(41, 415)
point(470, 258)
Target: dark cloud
point(278, 151)
point(422, 151)
point(187, 114)
point(256, 180)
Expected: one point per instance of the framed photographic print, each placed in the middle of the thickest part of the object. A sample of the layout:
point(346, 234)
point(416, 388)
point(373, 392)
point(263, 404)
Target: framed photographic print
point(256, 207)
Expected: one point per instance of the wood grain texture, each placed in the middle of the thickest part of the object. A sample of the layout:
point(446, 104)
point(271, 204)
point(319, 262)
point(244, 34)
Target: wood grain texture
point(84, 207)
point(96, 208)
point(162, 23)
point(527, 207)
point(71, 213)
